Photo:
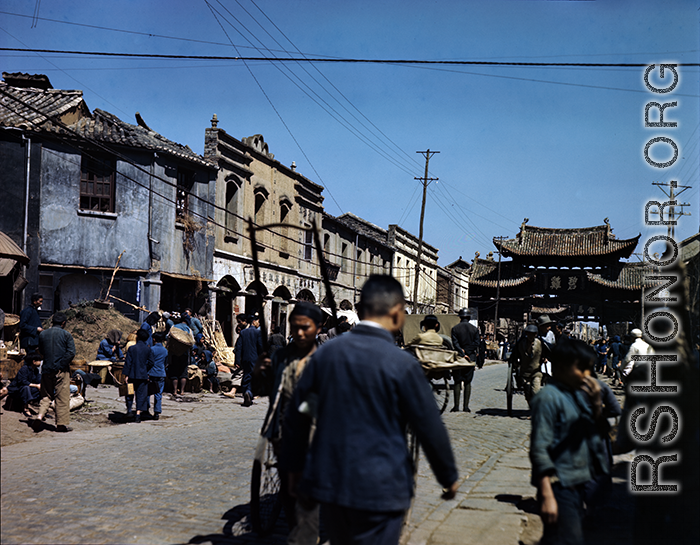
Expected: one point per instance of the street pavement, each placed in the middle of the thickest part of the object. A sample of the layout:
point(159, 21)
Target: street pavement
point(186, 478)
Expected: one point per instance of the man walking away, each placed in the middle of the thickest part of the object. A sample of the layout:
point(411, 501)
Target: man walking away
point(248, 346)
point(363, 391)
point(465, 339)
point(58, 348)
point(639, 348)
point(528, 353)
point(136, 371)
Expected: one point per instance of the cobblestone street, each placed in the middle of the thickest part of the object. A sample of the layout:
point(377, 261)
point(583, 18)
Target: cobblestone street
point(185, 478)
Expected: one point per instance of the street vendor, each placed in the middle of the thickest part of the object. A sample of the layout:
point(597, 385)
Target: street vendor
point(26, 385)
point(109, 346)
point(280, 374)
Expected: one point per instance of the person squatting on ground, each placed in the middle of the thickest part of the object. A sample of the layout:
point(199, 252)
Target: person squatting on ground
point(248, 346)
point(528, 353)
point(30, 324)
point(136, 372)
point(280, 375)
point(109, 346)
point(363, 391)
point(465, 339)
point(157, 358)
point(58, 348)
point(26, 385)
point(567, 449)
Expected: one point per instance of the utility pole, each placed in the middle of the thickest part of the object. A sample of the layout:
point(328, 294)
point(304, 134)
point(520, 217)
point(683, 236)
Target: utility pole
point(498, 293)
point(425, 180)
point(671, 194)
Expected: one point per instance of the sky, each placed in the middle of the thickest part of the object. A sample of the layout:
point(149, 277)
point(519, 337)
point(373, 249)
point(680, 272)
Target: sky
point(560, 145)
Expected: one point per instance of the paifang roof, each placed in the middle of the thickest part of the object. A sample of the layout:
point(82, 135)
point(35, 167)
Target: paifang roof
point(30, 108)
point(581, 242)
point(632, 276)
point(485, 274)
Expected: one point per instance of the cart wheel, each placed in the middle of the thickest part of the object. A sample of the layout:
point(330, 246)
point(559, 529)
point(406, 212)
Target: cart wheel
point(441, 392)
point(509, 390)
point(265, 498)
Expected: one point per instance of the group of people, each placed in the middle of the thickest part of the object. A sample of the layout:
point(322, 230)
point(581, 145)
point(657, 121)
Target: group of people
point(615, 356)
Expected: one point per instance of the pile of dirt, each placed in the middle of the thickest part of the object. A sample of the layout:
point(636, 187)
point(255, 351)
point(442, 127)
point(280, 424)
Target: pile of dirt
point(89, 325)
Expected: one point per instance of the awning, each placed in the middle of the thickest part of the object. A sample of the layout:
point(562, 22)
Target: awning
point(177, 276)
point(10, 250)
point(6, 266)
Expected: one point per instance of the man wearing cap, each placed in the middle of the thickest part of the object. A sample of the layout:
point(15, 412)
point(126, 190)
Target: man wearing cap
point(639, 348)
point(58, 348)
point(365, 390)
point(430, 336)
point(248, 346)
point(544, 324)
point(465, 339)
point(30, 324)
point(528, 353)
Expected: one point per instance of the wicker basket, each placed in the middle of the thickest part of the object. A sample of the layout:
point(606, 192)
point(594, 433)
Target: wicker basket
point(179, 342)
point(11, 319)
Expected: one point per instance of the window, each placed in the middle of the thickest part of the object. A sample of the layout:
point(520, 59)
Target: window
point(344, 264)
point(261, 195)
point(285, 207)
point(232, 193)
point(185, 182)
point(97, 184)
point(308, 245)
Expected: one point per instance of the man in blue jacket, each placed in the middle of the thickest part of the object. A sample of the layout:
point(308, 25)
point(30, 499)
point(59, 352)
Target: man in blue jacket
point(58, 349)
point(157, 358)
point(248, 346)
point(30, 324)
point(136, 371)
point(365, 390)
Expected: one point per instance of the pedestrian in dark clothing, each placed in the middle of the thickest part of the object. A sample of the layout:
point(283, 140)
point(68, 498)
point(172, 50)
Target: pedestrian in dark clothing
point(616, 351)
point(193, 322)
point(364, 390)
point(58, 348)
point(465, 339)
point(178, 363)
point(157, 358)
point(152, 319)
point(30, 324)
point(248, 346)
point(26, 385)
point(277, 340)
point(168, 322)
point(136, 371)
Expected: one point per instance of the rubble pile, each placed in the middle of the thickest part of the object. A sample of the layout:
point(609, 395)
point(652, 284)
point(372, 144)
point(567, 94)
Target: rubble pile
point(89, 325)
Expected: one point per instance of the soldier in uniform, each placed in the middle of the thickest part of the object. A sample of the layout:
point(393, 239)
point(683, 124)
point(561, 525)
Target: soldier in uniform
point(528, 353)
point(465, 339)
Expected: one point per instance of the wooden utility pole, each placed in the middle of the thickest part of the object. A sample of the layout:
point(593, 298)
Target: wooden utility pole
point(672, 214)
point(498, 294)
point(425, 180)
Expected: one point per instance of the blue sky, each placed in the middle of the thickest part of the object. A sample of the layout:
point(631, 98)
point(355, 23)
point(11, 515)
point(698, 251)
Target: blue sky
point(562, 146)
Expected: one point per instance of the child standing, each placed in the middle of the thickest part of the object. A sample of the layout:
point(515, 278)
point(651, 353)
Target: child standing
point(567, 448)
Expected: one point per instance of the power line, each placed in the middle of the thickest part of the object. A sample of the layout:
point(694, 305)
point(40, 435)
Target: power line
point(330, 60)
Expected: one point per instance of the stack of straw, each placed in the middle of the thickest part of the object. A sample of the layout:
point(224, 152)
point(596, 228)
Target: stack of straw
point(213, 335)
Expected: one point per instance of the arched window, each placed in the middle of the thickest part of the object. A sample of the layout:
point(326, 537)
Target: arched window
point(285, 207)
point(233, 194)
point(261, 195)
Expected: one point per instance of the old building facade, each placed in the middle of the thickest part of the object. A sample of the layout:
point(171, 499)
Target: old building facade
point(251, 184)
point(85, 187)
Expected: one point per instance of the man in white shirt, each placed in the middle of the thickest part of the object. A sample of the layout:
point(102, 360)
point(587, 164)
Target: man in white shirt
point(639, 348)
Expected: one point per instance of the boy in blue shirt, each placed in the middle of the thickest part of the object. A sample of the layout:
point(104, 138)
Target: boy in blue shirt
point(567, 448)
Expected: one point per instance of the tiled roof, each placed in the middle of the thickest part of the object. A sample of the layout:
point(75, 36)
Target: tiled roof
point(587, 241)
point(18, 106)
point(485, 274)
point(34, 109)
point(630, 277)
point(364, 227)
point(108, 128)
